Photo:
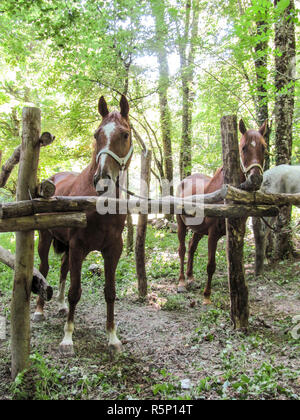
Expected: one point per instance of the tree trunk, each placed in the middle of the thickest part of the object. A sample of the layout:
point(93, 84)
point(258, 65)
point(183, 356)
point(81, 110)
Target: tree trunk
point(20, 306)
point(142, 226)
point(285, 69)
point(235, 228)
point(261, 70)
point(158, 10)
point(187, 58)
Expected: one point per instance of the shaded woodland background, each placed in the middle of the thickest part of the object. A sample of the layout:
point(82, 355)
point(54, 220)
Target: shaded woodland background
point(183, 64)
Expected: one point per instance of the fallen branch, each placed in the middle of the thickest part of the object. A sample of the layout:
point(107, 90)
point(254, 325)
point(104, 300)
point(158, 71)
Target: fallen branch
point(9, 166)
point(39, 283)
point(45, 139)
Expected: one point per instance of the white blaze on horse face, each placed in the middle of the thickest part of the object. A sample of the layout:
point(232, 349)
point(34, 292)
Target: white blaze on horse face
point(108, 131)
point(253, 143)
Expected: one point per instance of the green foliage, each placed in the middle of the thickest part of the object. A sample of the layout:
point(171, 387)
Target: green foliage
point(40, 382)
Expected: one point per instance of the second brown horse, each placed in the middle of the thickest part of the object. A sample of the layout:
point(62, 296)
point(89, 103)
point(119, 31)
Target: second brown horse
point(252, 150)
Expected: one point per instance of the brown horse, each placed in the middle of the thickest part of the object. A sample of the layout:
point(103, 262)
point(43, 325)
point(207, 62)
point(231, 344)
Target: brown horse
point(112, 152)
point(252, 149)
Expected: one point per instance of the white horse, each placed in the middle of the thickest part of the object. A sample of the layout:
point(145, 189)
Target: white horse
point(280, 179)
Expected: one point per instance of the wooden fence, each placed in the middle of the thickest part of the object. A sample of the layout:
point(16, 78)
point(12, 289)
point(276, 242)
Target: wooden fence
point(30, 212)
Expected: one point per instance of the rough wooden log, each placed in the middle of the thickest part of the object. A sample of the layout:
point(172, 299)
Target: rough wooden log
point(172, 205)
point(46, 189)
point(51, 205)
point(9, 166)
point(258, 197)
point(20, 306)
point(40, 285)
point(142, 226)
point(43, 221)
point(46, 139)
point(235, 228)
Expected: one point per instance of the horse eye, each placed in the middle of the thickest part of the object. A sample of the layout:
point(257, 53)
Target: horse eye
point(244, 149)
point(125, 135)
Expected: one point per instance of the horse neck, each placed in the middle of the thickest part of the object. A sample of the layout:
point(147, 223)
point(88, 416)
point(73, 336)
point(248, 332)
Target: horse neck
point(218, 180)
point(90, 171)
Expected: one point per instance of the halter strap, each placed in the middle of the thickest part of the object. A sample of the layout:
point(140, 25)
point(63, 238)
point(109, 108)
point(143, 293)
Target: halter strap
point(121, 161)
point(248, 169)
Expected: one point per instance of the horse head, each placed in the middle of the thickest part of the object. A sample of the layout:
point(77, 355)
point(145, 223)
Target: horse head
point(113, 149)
point(252, 153)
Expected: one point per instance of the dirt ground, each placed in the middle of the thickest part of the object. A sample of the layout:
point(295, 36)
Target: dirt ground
point(174, 346)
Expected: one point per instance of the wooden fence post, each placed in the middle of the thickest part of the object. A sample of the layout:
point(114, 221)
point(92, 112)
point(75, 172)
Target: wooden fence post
point(20, 306)
point(235, 227)
point(142, 225)
point(130, 227)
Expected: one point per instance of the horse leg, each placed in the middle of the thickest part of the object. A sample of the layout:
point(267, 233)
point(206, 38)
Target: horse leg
point(64, 269)
point(260, 235)
point(213, 237)
point(270, 240)
point(45, 240)
point(181, 232)
point(111, 257)
point(192, 249)
point(76, 257)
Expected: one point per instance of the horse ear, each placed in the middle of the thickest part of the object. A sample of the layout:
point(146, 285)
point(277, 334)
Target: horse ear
point(124, 105)
point(242, 127)
point(102, 107)
point(263, 128)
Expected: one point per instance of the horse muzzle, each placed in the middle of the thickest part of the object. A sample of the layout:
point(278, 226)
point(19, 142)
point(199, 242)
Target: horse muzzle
point(253, 182)
point(103, 184)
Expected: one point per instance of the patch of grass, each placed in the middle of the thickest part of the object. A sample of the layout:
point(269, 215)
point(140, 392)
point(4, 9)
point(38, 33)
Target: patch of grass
point(39, 382)
point(174, 303)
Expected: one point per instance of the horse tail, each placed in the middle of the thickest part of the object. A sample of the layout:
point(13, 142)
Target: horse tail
point(59, 247)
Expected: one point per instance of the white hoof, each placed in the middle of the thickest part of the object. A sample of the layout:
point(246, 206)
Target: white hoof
point(66, 349)
point(181, 288)
point(207, 301)
point(114, 344)
point(38, 317)
point(115, 348)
